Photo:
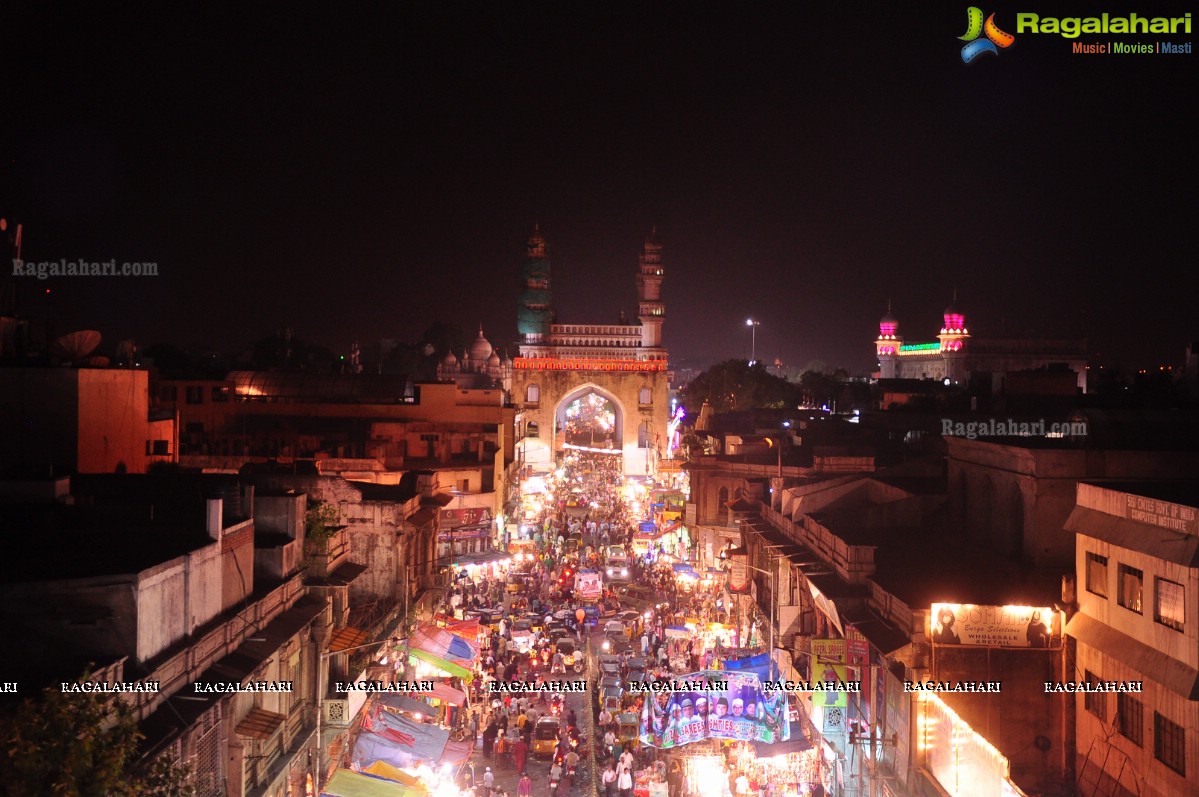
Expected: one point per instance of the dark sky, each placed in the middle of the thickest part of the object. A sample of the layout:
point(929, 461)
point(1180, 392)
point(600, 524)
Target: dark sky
point(358, 178)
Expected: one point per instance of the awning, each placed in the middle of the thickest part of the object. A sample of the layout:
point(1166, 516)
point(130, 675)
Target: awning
point(347, 783)
point(443, 665)
point(798, 743)
point(685, 569)
point(881, 635)
point(259, 724)
point(1158, 542)
point(401, 702)
point(480, 558)
point(441, 643)
point(1151, 663)
point(382, 769)
point(348, 637)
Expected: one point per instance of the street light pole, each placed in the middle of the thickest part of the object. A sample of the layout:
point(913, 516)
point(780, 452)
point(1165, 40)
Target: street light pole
point(753, 339)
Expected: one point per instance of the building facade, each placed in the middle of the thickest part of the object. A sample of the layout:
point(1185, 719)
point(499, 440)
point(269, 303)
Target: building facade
point(958, 358)
point(1137, 572)
point(624, 364)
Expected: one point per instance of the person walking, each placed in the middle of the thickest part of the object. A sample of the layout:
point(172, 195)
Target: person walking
point(524, 787)
point(488, 782)
point(609, 780)
point(520, 754)
point(624, 782)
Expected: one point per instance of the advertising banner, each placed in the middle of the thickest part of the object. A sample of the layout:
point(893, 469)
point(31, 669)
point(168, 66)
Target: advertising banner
point(465, 516)
point(992, 626)
point(588, 585)
point(739, 580)
point(733, 707)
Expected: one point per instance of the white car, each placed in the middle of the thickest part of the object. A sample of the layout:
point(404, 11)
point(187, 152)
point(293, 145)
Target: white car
point(618, 569)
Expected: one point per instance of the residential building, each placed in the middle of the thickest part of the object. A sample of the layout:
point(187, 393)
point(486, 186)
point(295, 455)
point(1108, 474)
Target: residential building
point(1137, 572)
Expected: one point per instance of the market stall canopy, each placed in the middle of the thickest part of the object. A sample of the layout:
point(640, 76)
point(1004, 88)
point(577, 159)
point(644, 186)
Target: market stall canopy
point(382, 769)
point(441, 643)
point(347, 783)
point(401, 702)
point(399, 741)
point(445, 666)
point(683, 568)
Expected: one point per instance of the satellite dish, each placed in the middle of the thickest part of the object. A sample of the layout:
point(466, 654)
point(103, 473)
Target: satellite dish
point(76, 346)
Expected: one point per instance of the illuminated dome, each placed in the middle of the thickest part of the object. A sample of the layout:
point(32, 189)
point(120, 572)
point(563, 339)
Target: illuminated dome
point(493, 360)
point(481, 349)
point(449, 359)
point(888, 319)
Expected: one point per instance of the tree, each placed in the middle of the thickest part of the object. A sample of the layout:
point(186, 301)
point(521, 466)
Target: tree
point(735, 385)
point(80, 745)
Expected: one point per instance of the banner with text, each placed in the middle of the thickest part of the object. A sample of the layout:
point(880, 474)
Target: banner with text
point(739, 710)
point(992, 626)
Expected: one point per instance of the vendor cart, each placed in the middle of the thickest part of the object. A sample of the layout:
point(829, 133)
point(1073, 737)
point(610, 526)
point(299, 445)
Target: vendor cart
point(612, 699)
point(628, 725)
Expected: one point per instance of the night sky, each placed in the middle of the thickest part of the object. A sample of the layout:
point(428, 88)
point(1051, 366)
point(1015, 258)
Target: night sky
point(358, 178)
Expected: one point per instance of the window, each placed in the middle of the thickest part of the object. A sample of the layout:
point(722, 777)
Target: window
point(1130, 718)
point(533, 394)
point(532, 429)
point(195, 394)
point(194, 427)
point(220, 393)
point(1169, 744)
point(1097, 574)
point(157, 448)
point(1168, 603)
point(1095, 702)
point(1130, 583)
point(646, 396)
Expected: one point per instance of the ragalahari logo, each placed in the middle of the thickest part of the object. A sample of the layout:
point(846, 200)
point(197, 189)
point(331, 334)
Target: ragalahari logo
point(975, 27)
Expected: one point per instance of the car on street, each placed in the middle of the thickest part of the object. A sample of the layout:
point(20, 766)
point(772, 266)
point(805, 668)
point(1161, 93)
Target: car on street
point(618, 570)
point(545, 736)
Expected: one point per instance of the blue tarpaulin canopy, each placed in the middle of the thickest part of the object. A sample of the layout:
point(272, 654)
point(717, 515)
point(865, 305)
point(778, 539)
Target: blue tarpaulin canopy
point(759, 665)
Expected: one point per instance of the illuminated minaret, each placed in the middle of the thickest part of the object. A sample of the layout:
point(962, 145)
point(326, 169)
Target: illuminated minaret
point(650, 309)
point(534, 314)
point(886, 346)
point(953, 339)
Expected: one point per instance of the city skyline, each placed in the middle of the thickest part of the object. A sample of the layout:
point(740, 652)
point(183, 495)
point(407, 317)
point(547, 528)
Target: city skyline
point(363, 181)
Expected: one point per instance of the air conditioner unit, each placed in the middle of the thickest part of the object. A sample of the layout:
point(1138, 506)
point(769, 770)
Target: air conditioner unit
point(336, 712)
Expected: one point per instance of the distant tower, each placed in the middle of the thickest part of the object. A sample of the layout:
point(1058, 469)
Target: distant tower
point(650, 310)
point(953, 339)
point(886, 346)
point(534, 314)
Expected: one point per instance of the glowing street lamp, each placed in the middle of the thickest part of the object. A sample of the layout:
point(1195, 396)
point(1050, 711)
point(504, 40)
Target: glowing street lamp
point(753, 339)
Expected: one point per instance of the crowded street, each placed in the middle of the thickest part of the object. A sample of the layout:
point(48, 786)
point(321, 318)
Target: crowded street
point(596, 604)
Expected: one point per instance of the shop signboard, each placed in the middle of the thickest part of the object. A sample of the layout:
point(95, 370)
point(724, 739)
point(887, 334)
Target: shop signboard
point(465, 533)
point(723, 705)
point(857, 655)
point(465, 516)
point(992, 626)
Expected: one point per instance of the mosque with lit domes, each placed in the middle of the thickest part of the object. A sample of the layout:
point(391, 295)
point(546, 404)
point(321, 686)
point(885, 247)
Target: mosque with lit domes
point(957, 358)
point(480, 367)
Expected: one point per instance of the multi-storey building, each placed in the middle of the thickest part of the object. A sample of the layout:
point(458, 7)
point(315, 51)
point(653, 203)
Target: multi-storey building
point(1138, 599)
